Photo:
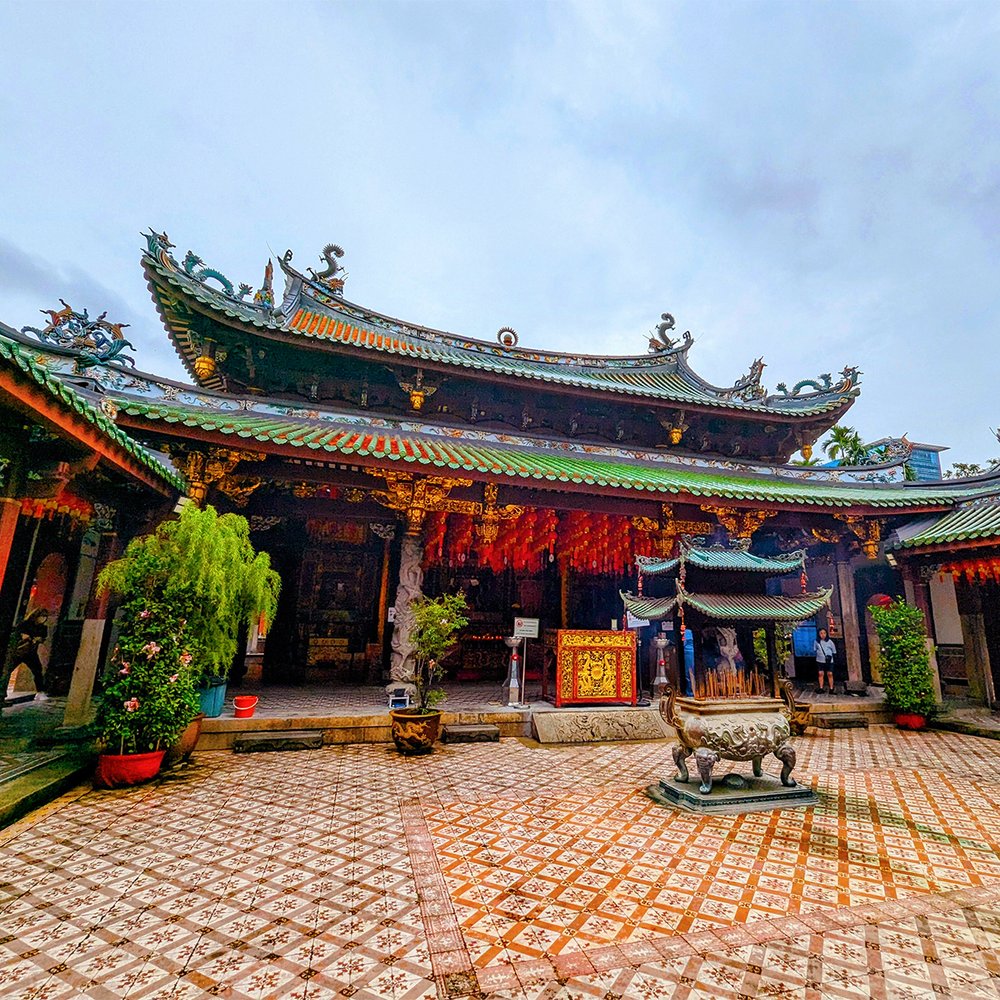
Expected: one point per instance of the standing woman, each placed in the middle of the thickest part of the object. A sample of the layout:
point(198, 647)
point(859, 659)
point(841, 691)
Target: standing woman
point(826, 653)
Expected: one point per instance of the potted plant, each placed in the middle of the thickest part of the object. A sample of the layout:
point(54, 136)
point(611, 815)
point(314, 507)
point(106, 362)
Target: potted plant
point(435, 622)
point(905, 661)
point(203, 567)
point(149, 695)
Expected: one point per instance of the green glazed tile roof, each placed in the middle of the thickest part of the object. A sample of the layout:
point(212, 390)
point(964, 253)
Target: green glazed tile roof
point(757, 607)
point(14, 355)
point(717, 557)
point(650, 608)
point(969, 522)
point(541, 465)
point(656, 565)
point(312, 315)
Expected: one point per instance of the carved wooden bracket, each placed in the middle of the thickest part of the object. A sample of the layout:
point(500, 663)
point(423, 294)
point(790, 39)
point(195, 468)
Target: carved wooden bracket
point(868, 531)
point(667, 528)
point(239, 489)
point(491, 513)
point(414, 497)
point(737, 522)
point(204, 468)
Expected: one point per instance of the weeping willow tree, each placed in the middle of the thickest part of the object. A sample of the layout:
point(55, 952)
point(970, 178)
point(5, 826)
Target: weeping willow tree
point(204, 569)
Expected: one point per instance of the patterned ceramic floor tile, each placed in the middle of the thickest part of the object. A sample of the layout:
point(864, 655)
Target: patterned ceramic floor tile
point(512, 871)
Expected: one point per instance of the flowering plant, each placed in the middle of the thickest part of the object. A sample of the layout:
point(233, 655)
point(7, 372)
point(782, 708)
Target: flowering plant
point(906, 669)
point(435, 624)
point(203, 567)
point(149, 691)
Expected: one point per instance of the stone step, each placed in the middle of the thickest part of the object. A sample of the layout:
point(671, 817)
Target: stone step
point(265, 740)
point(840, 720)
point(470, 734)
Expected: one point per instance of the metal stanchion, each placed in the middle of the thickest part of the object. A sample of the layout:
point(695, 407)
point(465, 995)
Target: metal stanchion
point(660, 682)
point(514, 674)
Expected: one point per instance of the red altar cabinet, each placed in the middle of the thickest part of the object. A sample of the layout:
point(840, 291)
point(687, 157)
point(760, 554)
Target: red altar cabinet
point(595, 667)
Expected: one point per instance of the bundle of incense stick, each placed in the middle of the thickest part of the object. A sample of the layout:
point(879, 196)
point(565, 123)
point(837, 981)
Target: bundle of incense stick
point(728, 683)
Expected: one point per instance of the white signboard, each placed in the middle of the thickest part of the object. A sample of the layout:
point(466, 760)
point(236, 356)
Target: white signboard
point(525, 628)
point(391, 616)
point(634, 621)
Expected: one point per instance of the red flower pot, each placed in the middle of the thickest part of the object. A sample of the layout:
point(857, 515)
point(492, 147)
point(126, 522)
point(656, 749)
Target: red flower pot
point(910, 720)
point(243, 705)
point(115, 770)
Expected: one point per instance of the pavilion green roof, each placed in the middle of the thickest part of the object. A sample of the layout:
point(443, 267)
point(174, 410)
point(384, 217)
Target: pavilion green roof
point(719, 557)
point(16, 356)
point(650, 608)
point(311, 313)
point(756, 607)
point(977, 520)
point(541, 465)
point(731, 607)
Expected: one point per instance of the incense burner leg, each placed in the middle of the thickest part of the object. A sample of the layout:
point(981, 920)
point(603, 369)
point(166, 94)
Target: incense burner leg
point(681, 753)
point(758, 767)
point(786, 754)
point(705, 760)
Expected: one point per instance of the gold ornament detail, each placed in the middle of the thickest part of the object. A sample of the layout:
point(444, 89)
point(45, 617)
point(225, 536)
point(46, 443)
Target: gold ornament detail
point(826, 535)
point(807, 451)
point(868, 532)
point(491, 514)
point(239, 489)
point(414, 498)
point(203, 468)
point(204, 367)
point(417, 391)
point(675, 428)
point(739, 523)
point(668, 528)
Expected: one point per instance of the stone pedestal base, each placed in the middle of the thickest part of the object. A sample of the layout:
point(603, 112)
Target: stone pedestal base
point(598, 725)
point(743, 795)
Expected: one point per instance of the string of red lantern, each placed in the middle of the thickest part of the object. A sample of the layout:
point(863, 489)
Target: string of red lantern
point(974, 570)
point(580, 541)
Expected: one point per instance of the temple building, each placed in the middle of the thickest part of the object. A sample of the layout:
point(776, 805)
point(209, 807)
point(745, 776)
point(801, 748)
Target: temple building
point(376, 459)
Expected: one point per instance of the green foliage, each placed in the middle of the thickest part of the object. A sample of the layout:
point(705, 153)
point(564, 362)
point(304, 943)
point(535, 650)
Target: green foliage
point(782, 645)
point(962, 469)
point(905, 662)
point(436, 621)
point(149, 692)
point(203, 567)
point(845, 444)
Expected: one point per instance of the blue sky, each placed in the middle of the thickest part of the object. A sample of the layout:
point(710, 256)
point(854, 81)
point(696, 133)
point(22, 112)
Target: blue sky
point(817, 183)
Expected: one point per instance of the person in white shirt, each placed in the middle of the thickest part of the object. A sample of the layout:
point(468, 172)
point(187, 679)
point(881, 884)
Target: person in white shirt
point(826, 653)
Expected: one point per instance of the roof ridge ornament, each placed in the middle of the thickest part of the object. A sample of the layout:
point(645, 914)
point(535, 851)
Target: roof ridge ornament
point(158, 246)
point(850, 380)
point(660, 343)
point(96, 341)
point(333, 275)
point(749, 387)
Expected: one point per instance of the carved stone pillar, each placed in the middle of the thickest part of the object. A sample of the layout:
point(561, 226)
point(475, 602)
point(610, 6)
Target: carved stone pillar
point(409, 588)
point(849, 617)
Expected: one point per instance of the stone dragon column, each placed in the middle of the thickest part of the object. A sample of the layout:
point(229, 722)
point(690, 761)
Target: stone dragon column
point(409, 589)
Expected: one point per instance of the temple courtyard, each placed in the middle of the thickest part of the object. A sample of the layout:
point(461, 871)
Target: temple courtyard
point(512, 870)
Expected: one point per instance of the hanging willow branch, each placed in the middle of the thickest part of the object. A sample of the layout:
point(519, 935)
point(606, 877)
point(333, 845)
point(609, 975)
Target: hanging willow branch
point(205, 568)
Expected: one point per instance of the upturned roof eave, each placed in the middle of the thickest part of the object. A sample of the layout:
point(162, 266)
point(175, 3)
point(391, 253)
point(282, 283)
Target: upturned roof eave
point(826, 411)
